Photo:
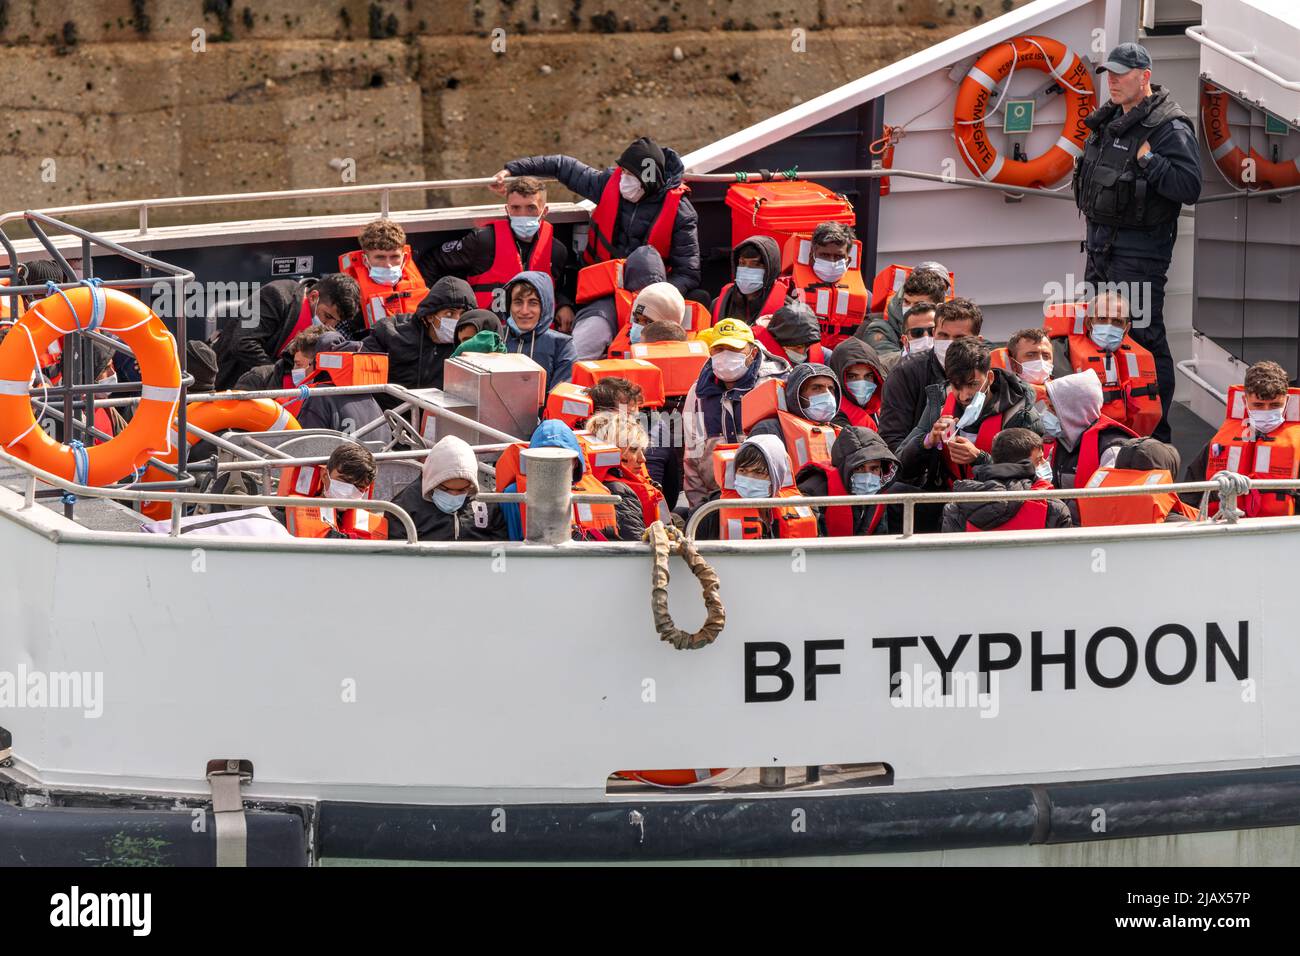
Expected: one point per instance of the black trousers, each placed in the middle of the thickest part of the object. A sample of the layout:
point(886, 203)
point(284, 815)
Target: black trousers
point(1120, 268)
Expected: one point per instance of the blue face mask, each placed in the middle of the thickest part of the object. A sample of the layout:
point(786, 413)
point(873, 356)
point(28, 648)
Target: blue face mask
point(864, 483)
point(1051, 424)
point(749, 279)
point(972, 413)
point(525, 227)
point(861, 390)
point(748, 487)
point(1106, 337)
point(821, 407)
point(447, 502)
point(385, 275)
point(634, 332)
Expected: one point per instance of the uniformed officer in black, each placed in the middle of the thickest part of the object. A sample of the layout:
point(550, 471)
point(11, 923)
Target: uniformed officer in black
point(1139, 166)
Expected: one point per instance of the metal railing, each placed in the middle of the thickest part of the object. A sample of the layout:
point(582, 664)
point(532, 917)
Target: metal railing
point(1059, 193)
point(178, 499)
point(142, 206)
point(77, 370)
point(1244, 58)
point(1228, 490)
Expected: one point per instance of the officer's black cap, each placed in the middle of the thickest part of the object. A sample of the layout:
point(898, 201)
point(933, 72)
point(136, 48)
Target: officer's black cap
point(1125, 57)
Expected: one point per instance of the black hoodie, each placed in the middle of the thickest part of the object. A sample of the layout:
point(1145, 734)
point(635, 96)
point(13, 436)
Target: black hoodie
point(732, 304)
point(853, 351)
point(414, 359)
point(634, 220)
point(987, 515)
point(241, 349)
point(854, 447)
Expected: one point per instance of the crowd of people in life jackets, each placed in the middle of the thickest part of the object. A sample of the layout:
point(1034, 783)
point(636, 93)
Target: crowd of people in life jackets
point(796, 378)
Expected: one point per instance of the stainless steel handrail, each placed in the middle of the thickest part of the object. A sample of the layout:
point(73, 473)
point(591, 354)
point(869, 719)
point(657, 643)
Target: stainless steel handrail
point(1186, 366)
point(385, 190)
point(911, 499)
point(879, 174)
point(178, 498)
point(1197, 33)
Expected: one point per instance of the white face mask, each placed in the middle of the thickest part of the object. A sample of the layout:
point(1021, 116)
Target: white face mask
point(829, 271)
point(941, 348)
point(342, 489)
point(728, 365)
point(924, 344)
point(629, 187)
point(445, 329)
point(749, 279)
point(298, 375)
point(1036, 371)
point(1265, 420)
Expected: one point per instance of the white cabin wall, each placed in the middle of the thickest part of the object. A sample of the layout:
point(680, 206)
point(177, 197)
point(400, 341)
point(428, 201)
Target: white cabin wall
point(1003, 253)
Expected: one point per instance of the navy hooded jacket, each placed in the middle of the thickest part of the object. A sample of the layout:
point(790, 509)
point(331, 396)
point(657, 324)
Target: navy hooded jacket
point(550, 349)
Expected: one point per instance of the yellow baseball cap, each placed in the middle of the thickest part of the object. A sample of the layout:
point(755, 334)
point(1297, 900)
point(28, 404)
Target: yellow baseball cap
point(732, 333)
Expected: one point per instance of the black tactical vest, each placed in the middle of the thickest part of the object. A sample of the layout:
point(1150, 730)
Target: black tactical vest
point(1109, 186)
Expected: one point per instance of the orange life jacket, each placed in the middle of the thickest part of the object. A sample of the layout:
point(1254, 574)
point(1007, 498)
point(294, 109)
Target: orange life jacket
point(309, 481)
point(589, 517)
point(736, 524)
point(695, 321)
point(1089, 459)
point(506, 263)
point(642, 373)
point(1235, 447)
point(774, 301)
point(654, 507)
point(1130, 387)
point(678, 362)
point(569, 403)
point(1138, 509)
point(1032, 516)
point(378, 300)
point(339, 368)
point(889, 283)
point(604, 221)
point(988, 430)
point(841, 307)
point(805, 441)
point(4, 304)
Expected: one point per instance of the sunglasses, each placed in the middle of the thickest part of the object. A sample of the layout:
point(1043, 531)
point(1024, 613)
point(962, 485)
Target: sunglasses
point(920, 333)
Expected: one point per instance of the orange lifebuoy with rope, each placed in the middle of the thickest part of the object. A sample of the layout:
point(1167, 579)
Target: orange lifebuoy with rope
point(998, 63)
point(247, 414)
point(1243, 170)
point(89, 308)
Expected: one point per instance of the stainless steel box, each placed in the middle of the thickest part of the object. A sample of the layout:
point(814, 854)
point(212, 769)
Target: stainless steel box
point(433, 428)
point(507, 389)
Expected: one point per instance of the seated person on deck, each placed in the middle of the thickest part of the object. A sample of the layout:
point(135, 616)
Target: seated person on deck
point(349, 473)
point(1016, 464)
point(443, 500)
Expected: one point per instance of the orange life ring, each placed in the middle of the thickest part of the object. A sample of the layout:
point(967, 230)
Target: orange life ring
point(247, 414)
point(670, 778)
point(997, 63)
point(1232, 161)
point(105, 310)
